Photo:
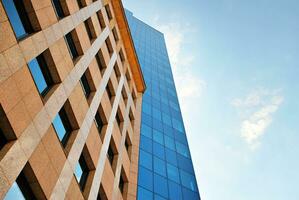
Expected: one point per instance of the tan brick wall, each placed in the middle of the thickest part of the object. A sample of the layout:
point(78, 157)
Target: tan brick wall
point(33, 145)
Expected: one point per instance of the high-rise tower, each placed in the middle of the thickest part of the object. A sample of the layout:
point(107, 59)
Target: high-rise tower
point(165, 168)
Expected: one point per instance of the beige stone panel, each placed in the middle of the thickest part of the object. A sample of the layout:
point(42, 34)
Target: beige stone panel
point(28, 48)
point(14, 58)
point(7, 37)
point(39, 41)
point(4, 69)
point(3, 16)
point(24, 80)
point(107, 179)
point(19, 118)
point(13, 162)
point(33, 102)
point(74, 192)
point(54, 149)
point(29, 140)
point(42, 122)
point(94, 144)
point(50, 35)
point(39, 4)
point(4, 184)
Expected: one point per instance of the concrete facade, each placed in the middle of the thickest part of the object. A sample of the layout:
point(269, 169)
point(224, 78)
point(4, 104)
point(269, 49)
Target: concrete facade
point(30, 145)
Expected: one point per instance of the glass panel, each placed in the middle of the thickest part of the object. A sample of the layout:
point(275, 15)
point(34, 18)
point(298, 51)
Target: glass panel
point(14, 18)
point(173, 173)
point(158, 150)
point(58, 8)
point(146, 131)
point(14, 193)
point(78, 172)
point(38, 76)
point(175, 192)
point(188, 180)
point(146, 144)
point(145, 159)
point(158, 137)
point(169, 143)
point(159, 166)
point(144, 194)
point(160, 185)
point(145, 178)
point(182, 149)
point(171, 157)
point(59, 127)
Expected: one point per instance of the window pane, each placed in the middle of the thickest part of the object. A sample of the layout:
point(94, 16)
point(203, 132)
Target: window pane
point(169, 143)
point(144, 194)
point(146, 131)
point(171, 157)
point(14, 18)
point(78, 172)
point(59, 127)
point(182, 149)
point(145, 178)
point(158, 137)
point(159, 166)
point(14, 193)
point(188, 180)
point(38, 76)
point(173, 173)
point(145, 159)
point(175, 192)
point(160, 185)
point(146, 144)
point(158, 150)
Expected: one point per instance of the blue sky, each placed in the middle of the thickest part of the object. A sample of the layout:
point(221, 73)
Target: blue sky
point(236, 70)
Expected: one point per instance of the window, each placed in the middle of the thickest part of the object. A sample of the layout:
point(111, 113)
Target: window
point(99, 122)
point(102, 194)
point(81, 172)
point(145, 159)
point(182, 149)
point(18, 17)
point(117, 71)
point(121, 56)
point(144, 194)
point(122, 181)
point(171, 157)
point(109, 46)
point(58, 9)
point(108, 11)
point(119, 119)
point(158, 137)
point(110, 91)
point(158, 150)
point(128, 145)
point(160, 185)
point(101, 61)
point(175, 192)
point(81, 3)
point(85, 85)
point(6, 131)
point(145, 178)
point(146, 144)
point(62, 126)
point(124, 95)
point(90, 29)
point(110, 154)
point(131, 117)
point(71, 45)
point(159, 166)
point(25, 187)
point(101, 19)
point(115, 35)
point(188, 180)
point(41, 74)
point(173, 173)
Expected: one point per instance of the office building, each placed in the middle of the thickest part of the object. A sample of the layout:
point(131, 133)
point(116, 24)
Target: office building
point(165, 168)
point(70, 100)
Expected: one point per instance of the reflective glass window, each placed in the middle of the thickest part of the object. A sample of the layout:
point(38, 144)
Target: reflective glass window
point(158, 150)
point(158, 137)
point(159, 166)
point(145, 159)
point(173, 173)
point(145, 178)
point(188, 180)
point(160, 185)
point(175, 192)
point(144, 194)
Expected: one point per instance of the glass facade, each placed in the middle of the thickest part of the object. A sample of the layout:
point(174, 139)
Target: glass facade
point(165, 166)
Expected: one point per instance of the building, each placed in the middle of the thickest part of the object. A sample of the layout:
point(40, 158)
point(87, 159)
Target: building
point(70, 100)
point(165, 167)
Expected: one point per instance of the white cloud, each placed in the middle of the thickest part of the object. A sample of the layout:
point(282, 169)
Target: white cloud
point(189, 85)
point(261, 104)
